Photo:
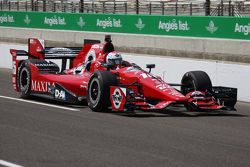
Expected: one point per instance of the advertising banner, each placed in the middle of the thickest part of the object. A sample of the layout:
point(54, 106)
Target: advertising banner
point(189, 26)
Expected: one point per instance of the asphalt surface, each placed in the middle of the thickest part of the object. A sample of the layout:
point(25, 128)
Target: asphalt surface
point(33, 135)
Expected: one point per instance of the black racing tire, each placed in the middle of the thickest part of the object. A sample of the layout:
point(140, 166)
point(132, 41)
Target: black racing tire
point(98, 90)
point(24, 79)
point(195, 80)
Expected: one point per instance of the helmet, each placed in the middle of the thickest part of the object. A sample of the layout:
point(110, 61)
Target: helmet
point(114, 58)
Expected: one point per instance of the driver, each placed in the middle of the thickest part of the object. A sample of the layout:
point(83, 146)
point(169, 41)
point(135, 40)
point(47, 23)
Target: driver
point(114, 58)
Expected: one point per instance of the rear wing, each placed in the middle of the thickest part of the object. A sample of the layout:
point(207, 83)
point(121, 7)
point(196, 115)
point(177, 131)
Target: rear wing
point(37, 50)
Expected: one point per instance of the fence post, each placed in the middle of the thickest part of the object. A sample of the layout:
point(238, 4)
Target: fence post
point(191, 9)
point(176, 8)
point(36, 5)
point(93, 7)
point(126, 7)
point(114, 10)
point(1, 4)
point(150, 8)
point(32, 5)
point(137, 6)
point(72, 7)
point(103, 7)
point(44, 5)
point(17, 5)
point(207, 8)
point(81, 6)
point(232, 10)
point(162, 8)
point(229, 8)
point(54, 7)
point(64, 7)
point(222, 8)
point(9, 5)
point(219, 12)
point(26, 6)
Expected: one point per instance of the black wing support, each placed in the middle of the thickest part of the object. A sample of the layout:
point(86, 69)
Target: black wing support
point(226, 96)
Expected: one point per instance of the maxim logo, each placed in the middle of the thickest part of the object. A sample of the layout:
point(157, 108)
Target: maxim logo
point(41, 86)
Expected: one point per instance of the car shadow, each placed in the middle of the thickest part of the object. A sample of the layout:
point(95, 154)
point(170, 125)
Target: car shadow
point(176, 112)
point(172, 113)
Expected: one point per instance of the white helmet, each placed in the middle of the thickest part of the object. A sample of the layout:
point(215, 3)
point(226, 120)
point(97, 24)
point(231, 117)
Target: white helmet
point(114, 58)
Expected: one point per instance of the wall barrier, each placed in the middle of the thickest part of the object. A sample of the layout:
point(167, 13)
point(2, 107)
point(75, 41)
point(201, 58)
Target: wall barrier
point(184, 26)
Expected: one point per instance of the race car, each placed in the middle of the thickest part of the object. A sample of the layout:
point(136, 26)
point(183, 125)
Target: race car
point(96, 73)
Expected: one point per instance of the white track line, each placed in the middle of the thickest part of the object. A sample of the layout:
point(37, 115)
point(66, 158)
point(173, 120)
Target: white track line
point(8, 164)
point(39, 103)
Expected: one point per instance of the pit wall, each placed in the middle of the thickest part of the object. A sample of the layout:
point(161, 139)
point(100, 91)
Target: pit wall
point(172, 69)
point(217, 38)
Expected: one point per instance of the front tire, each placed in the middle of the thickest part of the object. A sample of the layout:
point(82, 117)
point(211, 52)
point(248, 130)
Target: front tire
point(24, 80)
point(98, 90)
point(195, 80)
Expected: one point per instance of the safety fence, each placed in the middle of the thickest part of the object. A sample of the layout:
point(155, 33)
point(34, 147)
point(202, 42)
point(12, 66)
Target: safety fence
point(185, 26)
point(159, 7)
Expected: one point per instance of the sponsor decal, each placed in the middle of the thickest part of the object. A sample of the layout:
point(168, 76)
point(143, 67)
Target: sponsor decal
point(60, 50)
point(81, 23)
point(14, 67)
point(27, 20)
point(174, 25)
point(132, 69)
point(211, 27)
point(41, 86)
point(45, 65)
point(117, 98)
point(245, 29)
point(55, 20)
point(139, 24)
point(60, 94)
point(166, 88)
point(109, 23)
point(7, 19)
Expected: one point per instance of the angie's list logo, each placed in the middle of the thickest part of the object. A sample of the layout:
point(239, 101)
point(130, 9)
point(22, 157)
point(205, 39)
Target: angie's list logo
point(27, 20)
point(140, 24)
point(80, 22)
point(211, 27)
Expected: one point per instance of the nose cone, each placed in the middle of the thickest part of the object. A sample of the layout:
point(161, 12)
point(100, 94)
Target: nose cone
point(161, 90)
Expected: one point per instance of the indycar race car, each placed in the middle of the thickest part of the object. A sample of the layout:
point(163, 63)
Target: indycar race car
point(97, 74)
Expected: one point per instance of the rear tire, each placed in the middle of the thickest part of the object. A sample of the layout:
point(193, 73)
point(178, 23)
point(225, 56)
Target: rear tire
point(24, 80)
point(98, 90)
point(195, 80)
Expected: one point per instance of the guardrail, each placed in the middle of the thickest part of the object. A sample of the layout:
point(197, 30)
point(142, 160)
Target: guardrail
point(218, 8)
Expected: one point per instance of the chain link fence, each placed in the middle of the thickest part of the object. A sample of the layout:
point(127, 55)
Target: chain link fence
point(196, 7)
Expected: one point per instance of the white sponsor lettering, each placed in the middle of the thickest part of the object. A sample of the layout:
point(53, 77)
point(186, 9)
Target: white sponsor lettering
point(40, 86)
point(59, 94)
point(55, 20)
point(173, 25)
point(245, 29)
point(7, 19)
point(109, 22)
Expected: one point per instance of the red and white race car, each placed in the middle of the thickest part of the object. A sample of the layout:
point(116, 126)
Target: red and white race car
point(98, 74)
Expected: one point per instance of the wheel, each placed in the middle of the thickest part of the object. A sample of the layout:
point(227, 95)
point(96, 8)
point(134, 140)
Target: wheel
point(24, 79)
point(195, 80)
point(98, 90)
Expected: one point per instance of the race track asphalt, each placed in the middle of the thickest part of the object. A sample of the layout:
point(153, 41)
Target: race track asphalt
point(34, 135)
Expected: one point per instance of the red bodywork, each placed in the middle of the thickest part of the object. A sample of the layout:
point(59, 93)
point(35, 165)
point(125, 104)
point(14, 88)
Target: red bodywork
point(136, 87)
